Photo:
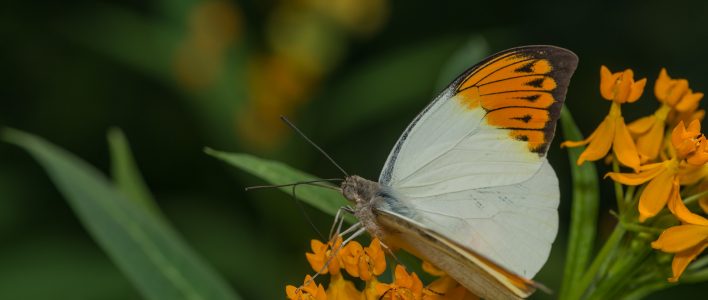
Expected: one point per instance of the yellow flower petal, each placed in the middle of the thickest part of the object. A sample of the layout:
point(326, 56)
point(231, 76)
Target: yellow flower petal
point(290, 292)
point(601, 141)
point(649, 144)
point(686, 140)
point(636, 179)
point(690, 174)
point(461, 293)
point(681, 260)
point(655, 195)
point(341, 289)
point(676, 91)
point(573, 144)
point(641, 125)
point(432, 270)
point(679, 209)
point(680, 238)
point(623, 87)
point(323, 254)
point(661, 86)
point(624, 147)
point(309, 290)
point(350, 257)
point(700, 156)
point(370, 292)
point(376, 256)
point(689, 102)
point(404, 287)
point(636, 90)
point(607, 82)
point(704, 204)
point(439, 288)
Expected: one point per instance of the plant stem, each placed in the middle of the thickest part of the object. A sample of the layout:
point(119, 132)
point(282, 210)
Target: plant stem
point(698, 276)
point(621, 273)
point(618, 188)
point(602, 257)
point(646, 289)
point(695, 197)
point(584, 211)
point(641, 228)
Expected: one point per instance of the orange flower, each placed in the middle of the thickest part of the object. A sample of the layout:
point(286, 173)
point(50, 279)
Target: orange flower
point(341, 289)
point(675, 93)
point(664, 177)
point(687, 117)
point(690, 143)
point(323, 254)
point(612, 132)
point(620, 87)
point(649, 133)
point(350, 257)
point(405, 286)
point(364, 263)
point(308, 291)
point(370, 291)
point(686, 241)
point(444, 287)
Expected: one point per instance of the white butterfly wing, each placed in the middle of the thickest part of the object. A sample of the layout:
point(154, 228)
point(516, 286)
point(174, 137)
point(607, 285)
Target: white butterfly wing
point(471, 167)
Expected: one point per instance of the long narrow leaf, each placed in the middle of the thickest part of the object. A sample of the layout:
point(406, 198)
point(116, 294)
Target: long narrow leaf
point(151, 254)
point(126, 174)
point(276, 173)
point(584, 209)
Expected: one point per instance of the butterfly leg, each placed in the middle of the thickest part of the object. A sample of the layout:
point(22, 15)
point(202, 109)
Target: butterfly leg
point(338, 221)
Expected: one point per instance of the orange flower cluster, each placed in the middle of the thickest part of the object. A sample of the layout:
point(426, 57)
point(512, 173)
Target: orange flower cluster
point(664, 154)
point(366, 264)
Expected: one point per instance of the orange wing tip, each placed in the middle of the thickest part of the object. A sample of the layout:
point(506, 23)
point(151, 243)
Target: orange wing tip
point(515, 86)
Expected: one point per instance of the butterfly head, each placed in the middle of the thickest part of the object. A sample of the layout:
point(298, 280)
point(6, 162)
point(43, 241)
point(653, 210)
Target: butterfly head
point(364, 194)
point(359, 190)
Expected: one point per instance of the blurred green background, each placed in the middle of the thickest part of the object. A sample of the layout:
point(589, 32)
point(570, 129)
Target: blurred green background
point(183, 74)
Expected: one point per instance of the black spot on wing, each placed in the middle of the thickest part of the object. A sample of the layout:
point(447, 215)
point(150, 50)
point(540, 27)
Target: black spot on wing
point(526, 68)
point(537, 83)
point(525, 118)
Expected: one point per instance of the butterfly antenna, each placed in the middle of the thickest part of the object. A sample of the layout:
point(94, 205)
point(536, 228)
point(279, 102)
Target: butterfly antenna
point(307, 216)
point(310, 182)
point(313, 144)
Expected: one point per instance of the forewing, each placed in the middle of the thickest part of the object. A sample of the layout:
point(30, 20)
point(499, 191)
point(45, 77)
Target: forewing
point(492, 126)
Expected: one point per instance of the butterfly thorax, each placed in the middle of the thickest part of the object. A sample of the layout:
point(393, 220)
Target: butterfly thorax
point(366, 196)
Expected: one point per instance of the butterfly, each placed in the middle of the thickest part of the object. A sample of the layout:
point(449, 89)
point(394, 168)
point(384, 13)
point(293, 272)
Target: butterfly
point(467, 186)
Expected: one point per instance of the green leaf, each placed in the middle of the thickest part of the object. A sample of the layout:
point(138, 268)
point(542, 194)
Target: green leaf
point(385, 84)
point(462, 59)
point(584, 209)
point(151, 254)
point(126, 174)
point(277, 173)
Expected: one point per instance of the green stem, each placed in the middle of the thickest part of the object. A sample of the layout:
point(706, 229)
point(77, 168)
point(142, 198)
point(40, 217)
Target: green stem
point(641, 228)
point(619, 195)
point(694, 197)
point(622, 272)
point(629, 194)
point(698, 276)
point(645, 290)
point(584, 211)
point(601, 259)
